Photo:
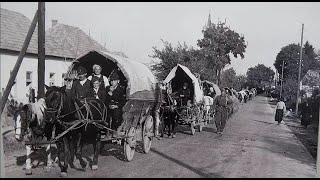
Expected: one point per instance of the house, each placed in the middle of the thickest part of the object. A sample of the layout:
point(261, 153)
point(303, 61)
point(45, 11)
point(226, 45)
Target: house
point(63, 43)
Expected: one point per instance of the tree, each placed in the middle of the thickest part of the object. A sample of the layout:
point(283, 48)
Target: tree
point(241, 82)
point(290, 54)
point(228, 78)
point(260, 76)
point(188, 56)
point(218, 43)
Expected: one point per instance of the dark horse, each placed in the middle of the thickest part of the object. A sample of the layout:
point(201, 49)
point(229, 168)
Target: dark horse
point(169, 114)
point(65, 112)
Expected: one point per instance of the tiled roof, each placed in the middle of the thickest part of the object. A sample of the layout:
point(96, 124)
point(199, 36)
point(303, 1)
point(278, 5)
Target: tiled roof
point(73, 40)
point(14, 28)
point(61, 40)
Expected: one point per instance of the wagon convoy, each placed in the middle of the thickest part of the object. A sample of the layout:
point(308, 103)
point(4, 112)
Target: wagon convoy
point(150, 107)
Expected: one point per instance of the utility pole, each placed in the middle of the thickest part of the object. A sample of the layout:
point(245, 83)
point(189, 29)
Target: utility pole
point(41, 48)
point(298, 91)
point(318, 150)
point(282, 78)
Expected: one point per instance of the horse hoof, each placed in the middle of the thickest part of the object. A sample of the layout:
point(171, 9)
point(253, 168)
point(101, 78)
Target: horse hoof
point(28, 172)
point(63, 174)
point(94, 167)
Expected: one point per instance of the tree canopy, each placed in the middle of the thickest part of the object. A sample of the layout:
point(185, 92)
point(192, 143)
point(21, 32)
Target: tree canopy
point(260, 75)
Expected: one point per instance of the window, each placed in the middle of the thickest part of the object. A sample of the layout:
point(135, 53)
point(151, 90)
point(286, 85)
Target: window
point(28, 78)
point(51, 79)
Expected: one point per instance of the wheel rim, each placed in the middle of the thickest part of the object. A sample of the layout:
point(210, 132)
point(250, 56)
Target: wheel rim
point(129, 145)
point(147, 131)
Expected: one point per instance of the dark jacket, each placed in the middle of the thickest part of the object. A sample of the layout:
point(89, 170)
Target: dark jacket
point(187, 95)
point(80, 92)
point(102, 93)
point(119, 96)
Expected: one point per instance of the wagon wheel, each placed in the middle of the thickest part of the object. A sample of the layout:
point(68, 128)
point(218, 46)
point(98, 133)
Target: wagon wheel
point(130, 144)
point(193, 130)
point(147, 134)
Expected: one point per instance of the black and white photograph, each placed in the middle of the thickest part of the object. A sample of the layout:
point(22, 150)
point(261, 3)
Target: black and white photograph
point(159, 89)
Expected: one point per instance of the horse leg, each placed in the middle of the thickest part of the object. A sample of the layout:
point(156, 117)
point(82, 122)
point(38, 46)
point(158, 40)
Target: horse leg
point(62, 152)
point(78, 152)
point(28, 161)
point(96, 147)
point(49, 160)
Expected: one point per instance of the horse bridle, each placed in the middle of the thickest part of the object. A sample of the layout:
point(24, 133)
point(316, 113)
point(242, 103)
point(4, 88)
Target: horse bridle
point(54, 110)
point(58, 111)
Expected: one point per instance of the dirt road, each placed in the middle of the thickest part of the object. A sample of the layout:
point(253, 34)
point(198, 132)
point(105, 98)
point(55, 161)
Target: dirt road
point(252, 145)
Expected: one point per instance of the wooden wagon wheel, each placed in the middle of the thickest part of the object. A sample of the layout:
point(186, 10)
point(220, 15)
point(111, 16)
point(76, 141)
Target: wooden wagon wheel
point(147, 134)
point(130, 144)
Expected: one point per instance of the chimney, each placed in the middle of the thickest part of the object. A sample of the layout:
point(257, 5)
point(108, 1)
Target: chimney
point(54, 22)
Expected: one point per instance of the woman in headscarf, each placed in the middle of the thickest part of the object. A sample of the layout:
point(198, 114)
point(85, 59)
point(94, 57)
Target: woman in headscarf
point(280, 110)
point(97, 73)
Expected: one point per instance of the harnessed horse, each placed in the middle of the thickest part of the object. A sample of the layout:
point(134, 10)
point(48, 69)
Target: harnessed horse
point(76, 122)
point(29, 120)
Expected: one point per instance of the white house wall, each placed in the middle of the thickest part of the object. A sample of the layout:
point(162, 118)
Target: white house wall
point(20, 90)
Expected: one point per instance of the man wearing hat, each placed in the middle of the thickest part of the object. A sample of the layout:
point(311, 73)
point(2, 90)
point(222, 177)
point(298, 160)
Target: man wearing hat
point(184, 94)
point(81, 88)
point(119, 100)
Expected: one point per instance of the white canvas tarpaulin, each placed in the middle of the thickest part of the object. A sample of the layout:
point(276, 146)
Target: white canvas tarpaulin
point(198, 93)
point(215, 87)
point(141, 81)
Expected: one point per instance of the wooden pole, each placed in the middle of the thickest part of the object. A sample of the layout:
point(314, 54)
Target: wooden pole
point(318, 149)
point(298, 90)
point(6, 93)
point(282, 78)
point(41, 48)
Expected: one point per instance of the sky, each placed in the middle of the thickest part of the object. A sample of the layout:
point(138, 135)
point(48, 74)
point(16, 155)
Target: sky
point(135, 27)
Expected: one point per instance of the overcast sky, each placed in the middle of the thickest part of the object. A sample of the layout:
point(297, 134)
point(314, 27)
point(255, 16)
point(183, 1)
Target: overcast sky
point(135, 28)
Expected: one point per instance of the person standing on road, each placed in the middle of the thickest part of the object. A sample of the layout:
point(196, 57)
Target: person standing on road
point(280, 110)
point(306, 114)
point(221, 115)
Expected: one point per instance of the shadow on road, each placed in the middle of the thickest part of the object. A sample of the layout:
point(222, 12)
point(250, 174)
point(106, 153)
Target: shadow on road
point(199, 172)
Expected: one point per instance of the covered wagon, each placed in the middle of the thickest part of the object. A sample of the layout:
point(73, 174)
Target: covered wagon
point(192, 113)
point(142, 96)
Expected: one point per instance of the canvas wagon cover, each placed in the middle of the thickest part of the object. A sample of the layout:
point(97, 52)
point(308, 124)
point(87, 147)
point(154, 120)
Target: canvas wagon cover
point(197, 90)
point(215, 87)
point(141, 81)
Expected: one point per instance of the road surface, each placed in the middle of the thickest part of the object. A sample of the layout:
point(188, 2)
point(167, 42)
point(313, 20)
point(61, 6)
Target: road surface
point(253, 145)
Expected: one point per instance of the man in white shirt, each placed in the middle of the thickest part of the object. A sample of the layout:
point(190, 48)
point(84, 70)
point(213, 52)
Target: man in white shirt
point(97, 73)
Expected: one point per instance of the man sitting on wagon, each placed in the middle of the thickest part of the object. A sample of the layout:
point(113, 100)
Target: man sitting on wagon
point(117, 102)
point(81, 88)
point(184, 94)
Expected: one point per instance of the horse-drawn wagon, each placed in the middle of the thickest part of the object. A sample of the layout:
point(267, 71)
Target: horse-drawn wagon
point(141, 97)
point(191, 113)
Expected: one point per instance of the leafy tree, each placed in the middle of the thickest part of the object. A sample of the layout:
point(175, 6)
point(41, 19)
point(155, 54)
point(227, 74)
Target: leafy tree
point(228, 78)
point(182, 54)
point(290, 54)
point(260, 75)
point(241, 82)
point(218, 43)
